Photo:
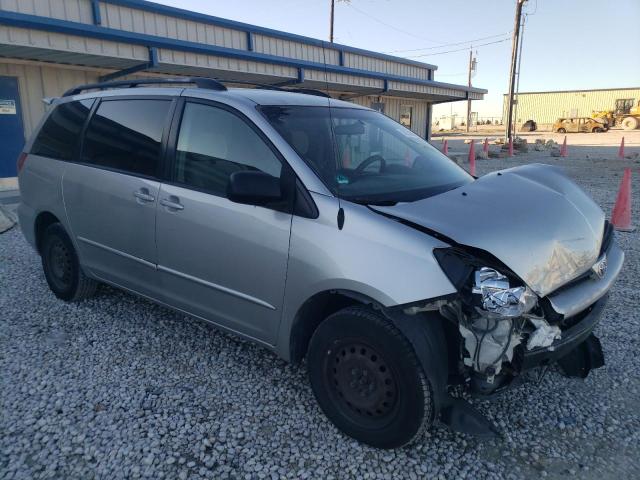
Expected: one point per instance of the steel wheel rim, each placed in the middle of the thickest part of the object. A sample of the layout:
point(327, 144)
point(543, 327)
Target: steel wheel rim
point(361, 380)
point(60, 265)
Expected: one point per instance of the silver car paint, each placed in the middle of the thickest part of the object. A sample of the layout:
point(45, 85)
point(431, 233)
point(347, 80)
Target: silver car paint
point(112, 217)
point(371, 255)
point(374, 256)
point(554, 229)
point(222, 260)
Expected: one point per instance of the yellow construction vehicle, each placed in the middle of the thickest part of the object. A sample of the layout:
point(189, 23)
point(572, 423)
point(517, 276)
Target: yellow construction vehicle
point(625, 114)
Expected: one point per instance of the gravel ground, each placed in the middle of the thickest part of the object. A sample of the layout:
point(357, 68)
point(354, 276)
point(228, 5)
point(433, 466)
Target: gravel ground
point(117, 387)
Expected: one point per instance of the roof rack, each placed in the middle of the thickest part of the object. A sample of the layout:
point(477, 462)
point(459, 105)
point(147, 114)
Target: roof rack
point(199, 82)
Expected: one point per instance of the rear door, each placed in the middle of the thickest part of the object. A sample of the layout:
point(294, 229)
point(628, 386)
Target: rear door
point(111, 194)
point(217, 259)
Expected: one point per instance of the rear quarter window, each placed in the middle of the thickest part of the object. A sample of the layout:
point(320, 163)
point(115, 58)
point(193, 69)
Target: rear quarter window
point(59, 135)
point(126, 135)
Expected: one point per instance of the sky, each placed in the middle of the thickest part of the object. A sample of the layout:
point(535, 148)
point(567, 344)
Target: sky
point(567, 44)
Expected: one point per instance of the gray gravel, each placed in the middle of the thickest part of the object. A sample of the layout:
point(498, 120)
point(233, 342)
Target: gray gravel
point(117, 387)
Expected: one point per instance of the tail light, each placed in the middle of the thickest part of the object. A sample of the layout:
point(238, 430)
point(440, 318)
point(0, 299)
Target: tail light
point(21, 159)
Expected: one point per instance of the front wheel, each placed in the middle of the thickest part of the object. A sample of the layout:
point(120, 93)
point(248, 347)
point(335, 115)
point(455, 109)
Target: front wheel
point(368, 380)
point(598, 130)
point(562, 130)
point(61, 267)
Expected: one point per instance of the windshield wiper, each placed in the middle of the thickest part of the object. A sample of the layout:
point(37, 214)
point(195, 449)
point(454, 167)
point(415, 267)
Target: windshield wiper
point(371, 201)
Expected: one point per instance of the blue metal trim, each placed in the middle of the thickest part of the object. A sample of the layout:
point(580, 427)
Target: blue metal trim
point(250, 41)
point(386, 86)
point(301, 75)
point(81, 29)
point(95, 10)
point(153, 62)
point(341, 58)
point(153, 57)
point(223, 22)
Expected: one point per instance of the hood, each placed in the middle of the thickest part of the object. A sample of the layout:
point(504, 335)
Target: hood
point(532, 218)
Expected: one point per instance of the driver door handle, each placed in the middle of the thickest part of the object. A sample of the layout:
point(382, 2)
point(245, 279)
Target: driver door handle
point(143, 195)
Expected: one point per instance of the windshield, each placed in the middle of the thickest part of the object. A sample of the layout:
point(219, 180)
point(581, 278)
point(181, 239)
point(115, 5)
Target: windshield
point(364, 156)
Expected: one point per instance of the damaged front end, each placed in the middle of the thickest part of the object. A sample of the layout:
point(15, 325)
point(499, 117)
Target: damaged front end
point(505, 329)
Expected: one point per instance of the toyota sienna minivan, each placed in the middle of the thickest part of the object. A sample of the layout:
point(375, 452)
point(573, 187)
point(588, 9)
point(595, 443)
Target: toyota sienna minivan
point(326, 232)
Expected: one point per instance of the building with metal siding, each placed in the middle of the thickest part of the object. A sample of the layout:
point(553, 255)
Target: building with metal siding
point(547, 107)
point(52, 45)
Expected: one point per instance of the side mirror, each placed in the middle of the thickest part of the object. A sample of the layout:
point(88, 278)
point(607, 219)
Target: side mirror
point(253, 188)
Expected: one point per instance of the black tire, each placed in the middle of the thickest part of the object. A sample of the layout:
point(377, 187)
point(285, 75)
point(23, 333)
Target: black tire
point(61, 267)
point(562, 130)
point(367, 379)
point(598, 130)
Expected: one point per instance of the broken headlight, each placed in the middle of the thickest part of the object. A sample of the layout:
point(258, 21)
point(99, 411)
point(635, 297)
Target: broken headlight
point(496, 295)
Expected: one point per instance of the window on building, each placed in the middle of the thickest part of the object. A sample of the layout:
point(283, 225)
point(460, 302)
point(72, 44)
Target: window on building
point(126, 135)
point(58, 137)
point(213, 143)
point(406, 114)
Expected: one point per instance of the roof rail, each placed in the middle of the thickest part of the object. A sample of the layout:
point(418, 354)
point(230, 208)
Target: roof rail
point(309, 91)
point(199, 82)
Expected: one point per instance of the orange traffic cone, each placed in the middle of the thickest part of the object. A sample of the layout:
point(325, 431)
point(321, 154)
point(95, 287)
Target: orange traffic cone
point(472, 158)
point(563, 149)
point(621, 214)
point(621, 149)
point(445, 147)
point(485, 147)
point(511, 147)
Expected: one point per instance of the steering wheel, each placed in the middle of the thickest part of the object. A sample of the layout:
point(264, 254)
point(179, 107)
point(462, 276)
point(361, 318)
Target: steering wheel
point(372, 159)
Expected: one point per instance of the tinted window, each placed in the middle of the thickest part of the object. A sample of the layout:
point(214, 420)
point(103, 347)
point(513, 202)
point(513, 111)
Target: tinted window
point(213, 143)
point(59, 135)
point(126, 135)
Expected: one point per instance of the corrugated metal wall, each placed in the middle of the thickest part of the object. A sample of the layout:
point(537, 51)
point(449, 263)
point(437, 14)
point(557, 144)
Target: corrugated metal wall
point(38, 80)
point(547, 107)
point(392, 109)
point(136, 20)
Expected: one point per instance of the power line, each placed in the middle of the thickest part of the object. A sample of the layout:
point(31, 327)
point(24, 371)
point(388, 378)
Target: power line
point(459, 49)
point(452, 44)
point(393, 27)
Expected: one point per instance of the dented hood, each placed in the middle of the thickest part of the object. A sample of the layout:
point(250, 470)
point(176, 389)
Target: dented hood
point(532, 218)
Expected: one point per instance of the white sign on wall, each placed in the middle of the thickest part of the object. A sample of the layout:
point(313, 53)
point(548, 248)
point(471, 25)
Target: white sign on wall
point(7, 107)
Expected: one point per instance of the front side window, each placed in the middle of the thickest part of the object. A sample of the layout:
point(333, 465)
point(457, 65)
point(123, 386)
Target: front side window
point(213, 143)
point(58, 137)
point(364, 156)
point(126, 135)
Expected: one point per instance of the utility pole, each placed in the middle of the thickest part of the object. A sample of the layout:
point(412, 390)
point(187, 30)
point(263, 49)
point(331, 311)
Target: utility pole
point(514, 63)
point(472, 68)
point(333, 7)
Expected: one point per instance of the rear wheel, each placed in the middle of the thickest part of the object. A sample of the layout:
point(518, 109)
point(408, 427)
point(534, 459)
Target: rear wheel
point(598, 130)
point(562, 130)
point(630, 123)
point(61, 267)
point(368, 380)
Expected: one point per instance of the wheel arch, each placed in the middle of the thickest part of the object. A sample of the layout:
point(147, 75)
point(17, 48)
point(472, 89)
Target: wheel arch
point(43, 220)
point(314, 311)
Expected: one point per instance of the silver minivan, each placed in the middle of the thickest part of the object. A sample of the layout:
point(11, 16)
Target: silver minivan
point(326, 232)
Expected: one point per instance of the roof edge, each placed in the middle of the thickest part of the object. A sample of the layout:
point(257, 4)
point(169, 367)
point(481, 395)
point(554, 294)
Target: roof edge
point(543, 92)
point(224, 22)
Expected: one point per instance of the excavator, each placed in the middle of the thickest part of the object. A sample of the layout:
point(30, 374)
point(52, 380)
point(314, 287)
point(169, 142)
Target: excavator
point(625, 114)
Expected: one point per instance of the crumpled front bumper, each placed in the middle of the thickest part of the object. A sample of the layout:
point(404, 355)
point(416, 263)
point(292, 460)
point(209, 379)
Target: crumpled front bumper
point(571, 337)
